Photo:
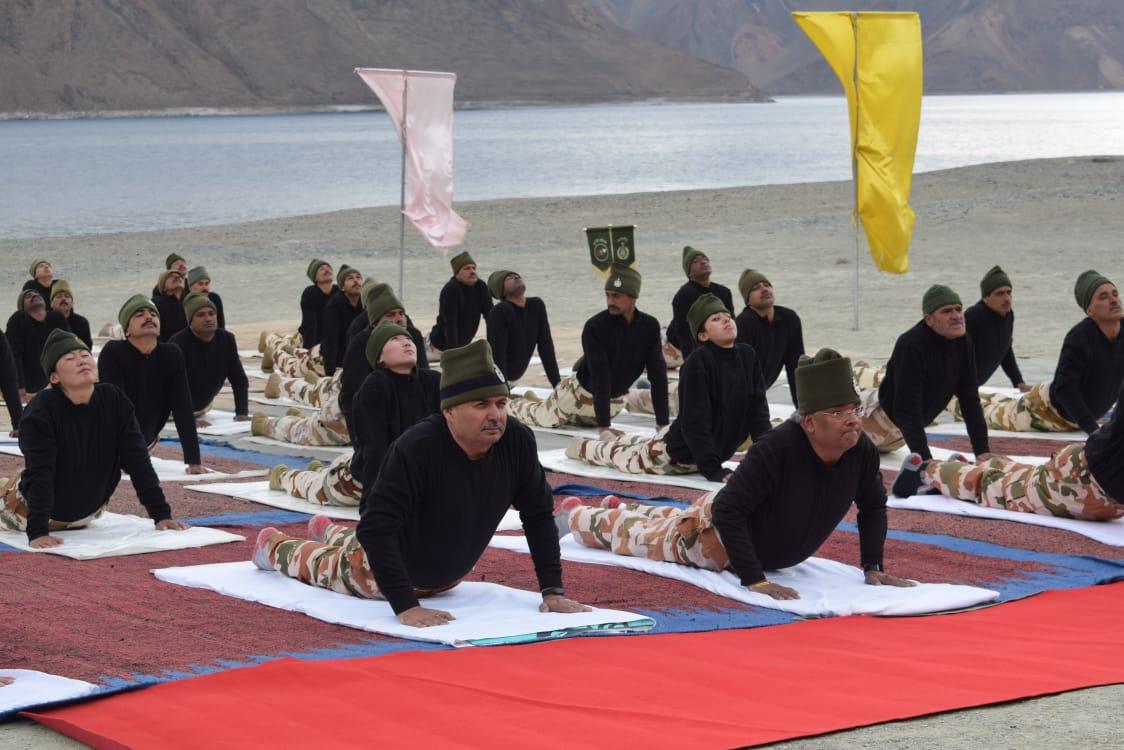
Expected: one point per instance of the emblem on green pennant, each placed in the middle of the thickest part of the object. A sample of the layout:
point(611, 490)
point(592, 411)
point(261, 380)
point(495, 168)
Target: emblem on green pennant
point(610, 246)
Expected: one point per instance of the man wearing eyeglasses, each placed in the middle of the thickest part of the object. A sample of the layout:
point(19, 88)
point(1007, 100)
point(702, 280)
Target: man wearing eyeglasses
point(931, 362)
point(785, 498)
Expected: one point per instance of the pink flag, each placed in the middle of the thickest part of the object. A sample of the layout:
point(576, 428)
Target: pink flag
point(428, 143)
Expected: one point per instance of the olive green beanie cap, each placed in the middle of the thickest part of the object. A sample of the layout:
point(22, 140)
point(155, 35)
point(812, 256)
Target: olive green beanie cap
point(936, 297)
point(164, 277)
point(705, 306)
point(469, 373)
point(750, 278)
point(381, 299)
point(59, 286)
point(132, 306)
point(172, 258)
point(1087, 285)
point(496, 280)
point(197, 274)
point(381, 334)
point(623, 279)
point(313, 267)
point(689, 255)
point(57, 345)
point(459, 261)
point(343, 273)
point(824, 381)
point(35, 264)
point(992, 280)
point(195, 302)
point(22, 298)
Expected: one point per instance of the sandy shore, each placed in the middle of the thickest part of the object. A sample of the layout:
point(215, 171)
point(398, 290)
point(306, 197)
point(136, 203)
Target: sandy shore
point(1044, 221)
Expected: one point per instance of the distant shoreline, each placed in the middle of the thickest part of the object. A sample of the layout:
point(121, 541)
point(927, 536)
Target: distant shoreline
point(467, 105)
point(172, 112)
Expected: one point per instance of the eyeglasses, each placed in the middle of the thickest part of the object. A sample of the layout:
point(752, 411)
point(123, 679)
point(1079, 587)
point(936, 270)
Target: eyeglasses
point(856, 411)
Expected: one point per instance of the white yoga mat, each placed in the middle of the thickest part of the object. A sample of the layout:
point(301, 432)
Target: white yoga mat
point(1105, 532)
point(556, 460)
point(486, 613)
point(249, 354)
point(222, 424)
point(961, 429)
point(255, 371)
point(259, 492)
point(286, 403)
point(827, 588)
point(116, 535)
point(274, 443)
point(167, 469)
point(33, 688)
point(893, 460)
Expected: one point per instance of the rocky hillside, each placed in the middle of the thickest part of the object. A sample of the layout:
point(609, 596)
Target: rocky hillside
point(99, 55)
point(970, 45)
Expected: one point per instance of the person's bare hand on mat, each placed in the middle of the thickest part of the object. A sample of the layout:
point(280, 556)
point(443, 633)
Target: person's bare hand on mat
point(558, 603)
point(420, 617)
point(1023, 387)
point(195, 469)
point(775, 590)
point(878, 578)
point(14, 433)
point(43, 542)
point(202, 423)
point(171, 524)
point(241, 417)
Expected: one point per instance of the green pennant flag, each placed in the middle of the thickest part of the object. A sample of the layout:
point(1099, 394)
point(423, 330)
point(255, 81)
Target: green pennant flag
point(610, 245)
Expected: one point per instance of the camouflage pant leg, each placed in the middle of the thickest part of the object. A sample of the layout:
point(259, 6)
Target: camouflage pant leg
point(1061, 487)
point(299, 363)
point(569, 403)
point(341, 566)
point(632, 454)
point(13, 513)
point(877, 424)
point(1027, 412)
point(669, 534)
point(639, 400)
point(867, 376)
point(326, 427)
point(313, 394)
point(332, 485)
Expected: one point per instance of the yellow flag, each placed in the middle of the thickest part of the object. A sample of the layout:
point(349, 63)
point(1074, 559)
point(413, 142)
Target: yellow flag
point(877, 58)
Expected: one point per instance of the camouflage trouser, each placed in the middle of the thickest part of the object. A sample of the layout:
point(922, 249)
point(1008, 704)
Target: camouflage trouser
point(1061, 487)
point(568, 404)
point(632, 454)
point(662, 533)
point(333, 485)
point(338, 563)
point(672, 357)
point(1027, 412)
point(639, 400)
point(877, 424)
point(325, 427)
point(867, 376)
point(13, 512)
point(314, 394)
point(290, 359)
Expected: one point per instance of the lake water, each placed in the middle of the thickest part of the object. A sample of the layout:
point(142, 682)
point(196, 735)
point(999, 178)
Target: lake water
point(86, 176)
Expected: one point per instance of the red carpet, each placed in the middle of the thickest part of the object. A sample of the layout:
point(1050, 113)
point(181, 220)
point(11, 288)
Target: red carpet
point(716, 689)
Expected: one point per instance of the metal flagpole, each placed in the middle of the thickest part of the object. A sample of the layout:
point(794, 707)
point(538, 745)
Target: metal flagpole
point(855, 170)
point(402, 195)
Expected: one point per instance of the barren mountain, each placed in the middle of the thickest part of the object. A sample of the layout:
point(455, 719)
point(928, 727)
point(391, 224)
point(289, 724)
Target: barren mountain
point(970, 45)
point(91, 55)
